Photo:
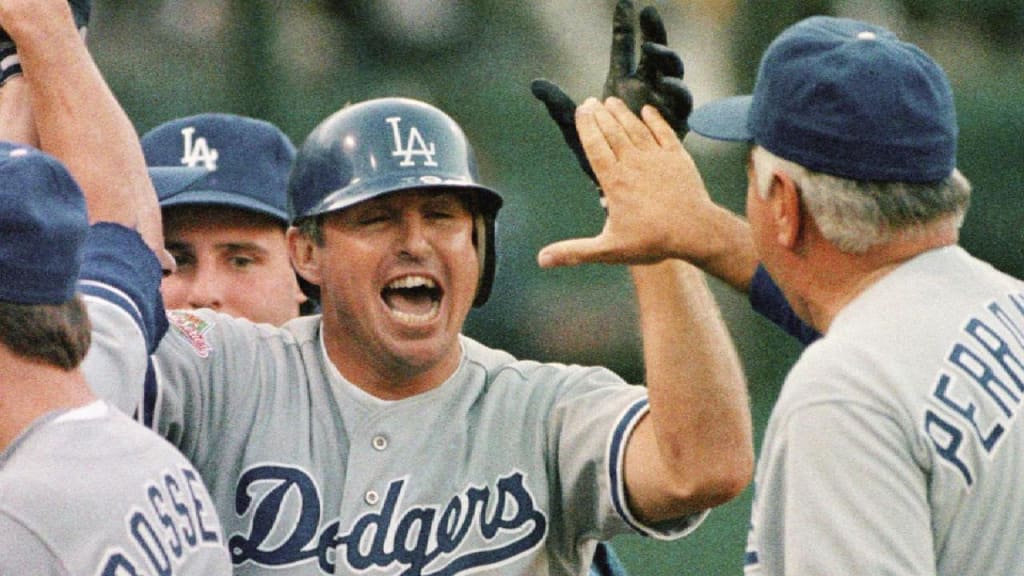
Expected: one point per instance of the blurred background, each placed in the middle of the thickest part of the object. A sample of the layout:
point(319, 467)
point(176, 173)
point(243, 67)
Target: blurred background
point(295, 62)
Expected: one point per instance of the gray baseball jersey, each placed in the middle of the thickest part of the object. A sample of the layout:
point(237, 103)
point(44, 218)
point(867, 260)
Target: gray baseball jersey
point(896, 445)
point(90, 491)
point(509, 467)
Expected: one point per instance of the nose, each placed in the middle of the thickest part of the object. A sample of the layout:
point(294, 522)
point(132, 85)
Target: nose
point(413, 237)
point(206, 290)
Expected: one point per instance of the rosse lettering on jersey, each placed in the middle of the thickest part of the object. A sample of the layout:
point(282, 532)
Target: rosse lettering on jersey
point(192, 328)
point(974, 403)
point(176, 522)
point(480, 527)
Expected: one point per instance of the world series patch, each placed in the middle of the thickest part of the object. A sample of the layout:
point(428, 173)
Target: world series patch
point(192, 328)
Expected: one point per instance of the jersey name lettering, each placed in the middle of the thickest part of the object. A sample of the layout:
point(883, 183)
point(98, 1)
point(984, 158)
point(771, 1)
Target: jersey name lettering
point(414, 145)
point(420, 540)
point(172, 527)
point(198, 151)
point(978, 400)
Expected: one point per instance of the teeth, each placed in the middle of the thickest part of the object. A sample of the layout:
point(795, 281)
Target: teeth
point(412, 282)
point(417, 318)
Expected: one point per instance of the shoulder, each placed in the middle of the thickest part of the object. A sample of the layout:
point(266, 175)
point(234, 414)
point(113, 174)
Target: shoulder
point(500, 363)
point(208, 334)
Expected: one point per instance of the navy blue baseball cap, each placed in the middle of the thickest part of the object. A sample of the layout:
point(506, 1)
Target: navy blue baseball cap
point(846, 98)
point(247, 163)
point(170, 180)
point(43, 224)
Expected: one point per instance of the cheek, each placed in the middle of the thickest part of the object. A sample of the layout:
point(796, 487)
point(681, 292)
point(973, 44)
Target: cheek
point(173, 290)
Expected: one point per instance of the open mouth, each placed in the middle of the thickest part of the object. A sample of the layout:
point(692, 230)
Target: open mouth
point(413, 299)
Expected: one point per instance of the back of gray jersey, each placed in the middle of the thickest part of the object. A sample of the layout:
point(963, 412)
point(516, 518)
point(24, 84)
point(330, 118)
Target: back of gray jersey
point(89, 491)
point(896, 445)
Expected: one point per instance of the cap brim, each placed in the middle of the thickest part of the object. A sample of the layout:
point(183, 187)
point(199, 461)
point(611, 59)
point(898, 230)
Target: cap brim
point(724, 119)
point(227, 199)
point(169, 180)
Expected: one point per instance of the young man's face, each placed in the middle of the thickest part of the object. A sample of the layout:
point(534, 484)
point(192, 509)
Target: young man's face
point(231, 260)
point(397, 276)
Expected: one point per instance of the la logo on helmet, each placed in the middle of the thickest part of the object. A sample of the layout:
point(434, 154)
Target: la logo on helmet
point(415, 145)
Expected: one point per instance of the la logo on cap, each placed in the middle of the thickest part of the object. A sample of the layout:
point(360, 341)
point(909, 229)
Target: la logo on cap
point(198, 151)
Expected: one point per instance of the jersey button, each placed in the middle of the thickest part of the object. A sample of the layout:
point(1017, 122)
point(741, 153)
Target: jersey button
point(371, 497)
point(380, 443)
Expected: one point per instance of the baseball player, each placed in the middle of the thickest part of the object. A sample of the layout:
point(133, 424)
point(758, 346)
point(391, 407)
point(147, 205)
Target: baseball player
point(377, 439)
point(62, 510)
point(896, 434)
point(228, 230)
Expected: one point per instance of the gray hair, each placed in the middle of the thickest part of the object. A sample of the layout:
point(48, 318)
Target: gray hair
point(855, 215)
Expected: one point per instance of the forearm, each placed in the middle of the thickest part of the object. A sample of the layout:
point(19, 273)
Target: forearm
point(728, 248)
point(78, 118)
point(695, 449)
point(17, 123)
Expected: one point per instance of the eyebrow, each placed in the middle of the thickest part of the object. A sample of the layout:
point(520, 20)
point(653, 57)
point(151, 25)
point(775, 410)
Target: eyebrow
point(226, 246)
point(240, 246)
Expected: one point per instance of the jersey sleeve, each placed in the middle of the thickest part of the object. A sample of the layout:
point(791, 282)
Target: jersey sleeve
point(592, 425)
point(767, 300)
point(120, 283)
point(838, 492)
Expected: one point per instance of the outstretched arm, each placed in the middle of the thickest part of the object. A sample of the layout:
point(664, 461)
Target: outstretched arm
point(78, 119)
point(695, 449)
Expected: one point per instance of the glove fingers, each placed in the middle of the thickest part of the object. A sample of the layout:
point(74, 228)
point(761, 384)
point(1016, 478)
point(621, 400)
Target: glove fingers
point(652, 27)
point(662, 60)
point(560, 106)
point(675, 102)
point(623, 52)
point(678, 95)
point(562, 110)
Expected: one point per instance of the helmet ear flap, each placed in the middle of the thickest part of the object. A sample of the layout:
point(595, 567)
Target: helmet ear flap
point(483, 237)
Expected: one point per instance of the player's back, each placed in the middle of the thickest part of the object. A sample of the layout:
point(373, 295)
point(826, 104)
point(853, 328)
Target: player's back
point(89, 491)
point(927, 370)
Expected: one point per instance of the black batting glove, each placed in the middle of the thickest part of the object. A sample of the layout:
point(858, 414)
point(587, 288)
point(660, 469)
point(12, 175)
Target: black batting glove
point(562, 110)
point(656, 80)
point(658, 77)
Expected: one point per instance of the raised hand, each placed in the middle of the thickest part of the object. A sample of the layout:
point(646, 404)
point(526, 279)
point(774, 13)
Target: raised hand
point(656, 199)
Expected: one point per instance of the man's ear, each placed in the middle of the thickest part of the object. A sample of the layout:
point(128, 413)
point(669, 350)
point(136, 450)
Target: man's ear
point(305, 255)
point(786, 210)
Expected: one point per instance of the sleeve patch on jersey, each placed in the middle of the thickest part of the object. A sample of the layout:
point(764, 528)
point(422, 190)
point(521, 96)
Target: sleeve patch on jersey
point(192, 328)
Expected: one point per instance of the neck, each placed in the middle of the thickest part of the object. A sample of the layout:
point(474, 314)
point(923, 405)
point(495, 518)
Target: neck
point(30, 389)
point(832, 279)
point(391, 376)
